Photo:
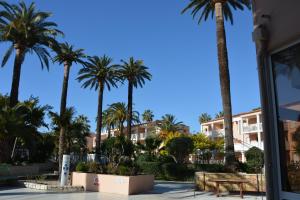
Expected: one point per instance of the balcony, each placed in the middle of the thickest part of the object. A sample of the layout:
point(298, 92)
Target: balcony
point(216, 133)
point(142, 136)
point(252, 128)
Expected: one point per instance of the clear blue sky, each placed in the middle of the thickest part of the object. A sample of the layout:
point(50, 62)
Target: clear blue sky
point(181, 55)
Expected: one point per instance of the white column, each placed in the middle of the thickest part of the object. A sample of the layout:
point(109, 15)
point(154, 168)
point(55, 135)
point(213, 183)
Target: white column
point(65, 170)
point(243, 157)
point(258, 132)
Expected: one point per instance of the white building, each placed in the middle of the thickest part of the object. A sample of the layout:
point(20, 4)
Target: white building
point(247, 131)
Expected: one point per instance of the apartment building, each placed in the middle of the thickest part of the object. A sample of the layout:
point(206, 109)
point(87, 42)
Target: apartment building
point(139, 133)
point(247, 131)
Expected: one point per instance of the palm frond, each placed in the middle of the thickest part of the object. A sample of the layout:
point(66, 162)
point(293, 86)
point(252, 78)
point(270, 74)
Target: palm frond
point(7, 55)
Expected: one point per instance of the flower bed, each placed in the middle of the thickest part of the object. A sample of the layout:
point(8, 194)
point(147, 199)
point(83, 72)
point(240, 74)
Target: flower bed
point(125, 185)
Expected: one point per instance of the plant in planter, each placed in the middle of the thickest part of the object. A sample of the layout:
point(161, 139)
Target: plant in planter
point(82, 167)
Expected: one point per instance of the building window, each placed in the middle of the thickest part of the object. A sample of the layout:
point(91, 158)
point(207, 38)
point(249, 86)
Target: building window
point(286, 73)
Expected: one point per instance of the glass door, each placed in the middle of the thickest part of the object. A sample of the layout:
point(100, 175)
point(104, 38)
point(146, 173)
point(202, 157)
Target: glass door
point(286, 77)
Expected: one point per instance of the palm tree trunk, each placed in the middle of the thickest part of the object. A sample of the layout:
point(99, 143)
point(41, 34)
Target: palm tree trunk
point(121, 128)
point(109, 131)
point(99, 120)
point(129, 112)
point(14, 93)
point(230, 160)
point(63, 104)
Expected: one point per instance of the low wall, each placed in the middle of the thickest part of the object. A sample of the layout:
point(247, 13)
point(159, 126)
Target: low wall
point(113, 184)
point(32, 169)
point(256, 182)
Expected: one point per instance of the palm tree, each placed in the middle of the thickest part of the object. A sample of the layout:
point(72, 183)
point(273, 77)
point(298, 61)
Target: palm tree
point(148, 116)
point(98, 74)
point(66, 55)
point(108, 121)
point(28, 31)
point(169, 124)
point(221, 9)
point(220, 114)
point(204, 117)
point(118, 112)
point(77, 128)
point(136, 74)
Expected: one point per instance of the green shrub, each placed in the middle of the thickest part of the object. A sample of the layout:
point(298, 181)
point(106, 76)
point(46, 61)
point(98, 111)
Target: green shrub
point(180, 148)
point(146, 158)
point(127, 170)
point(124, 170)
point(92, 167)
point(111, 169)
point(210, 167)
point(150, 168)
point(174, 171)
point(166, 159)
point(82, 167)
point(255, 160)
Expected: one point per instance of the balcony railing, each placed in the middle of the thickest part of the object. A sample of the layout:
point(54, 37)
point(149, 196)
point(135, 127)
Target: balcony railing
point(216, 133)
point(252, 128)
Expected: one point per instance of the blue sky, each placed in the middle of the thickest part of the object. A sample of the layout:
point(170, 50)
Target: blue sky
point(180, 54)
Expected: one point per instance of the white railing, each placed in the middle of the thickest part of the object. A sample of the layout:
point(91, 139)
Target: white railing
point(133, 136)
point(252, 128)
point(216, 133)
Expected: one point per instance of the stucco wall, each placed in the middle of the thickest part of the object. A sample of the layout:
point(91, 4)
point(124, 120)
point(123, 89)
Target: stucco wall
point(283, 23)
point(125, 185)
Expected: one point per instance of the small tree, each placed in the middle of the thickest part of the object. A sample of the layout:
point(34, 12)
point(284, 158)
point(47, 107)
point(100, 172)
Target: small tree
point(180, 148)
point(117, 149)
point(151, 144)
point(255, 159)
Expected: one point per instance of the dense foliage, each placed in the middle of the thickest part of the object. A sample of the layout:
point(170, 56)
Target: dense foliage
point(180, 148)
point(19, 129)
point(255, 159)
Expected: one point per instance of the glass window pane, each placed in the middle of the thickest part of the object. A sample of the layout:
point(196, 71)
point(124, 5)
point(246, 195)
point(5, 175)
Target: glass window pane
point(286, 71)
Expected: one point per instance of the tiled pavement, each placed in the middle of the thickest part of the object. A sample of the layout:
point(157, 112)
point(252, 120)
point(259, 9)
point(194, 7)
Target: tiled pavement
point(162, 191)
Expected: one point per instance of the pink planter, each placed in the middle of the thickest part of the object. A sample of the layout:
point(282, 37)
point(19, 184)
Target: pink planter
point(112, 183)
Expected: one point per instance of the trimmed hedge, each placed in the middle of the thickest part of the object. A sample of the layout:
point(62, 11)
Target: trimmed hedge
point(210, 167)
point(150, 168)
point(167, 171)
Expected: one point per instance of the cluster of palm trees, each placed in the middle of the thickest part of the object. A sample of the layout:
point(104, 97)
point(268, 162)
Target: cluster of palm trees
point(29, 31)
point(205, 117)
point(221, 10)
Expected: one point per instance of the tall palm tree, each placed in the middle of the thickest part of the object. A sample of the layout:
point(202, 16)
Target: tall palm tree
point(204, 117)
point(118, 114)
point(170, 124)
point(148, 116)
point(98, 74)
point(28, 31)
point(222, 9)
point(66, 55)
point(136, 74)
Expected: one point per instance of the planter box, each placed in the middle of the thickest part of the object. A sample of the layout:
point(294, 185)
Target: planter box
point(113, 184)
point(256, 182)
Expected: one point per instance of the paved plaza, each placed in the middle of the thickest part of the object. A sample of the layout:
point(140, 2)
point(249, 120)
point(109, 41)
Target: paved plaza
point(162, 191)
